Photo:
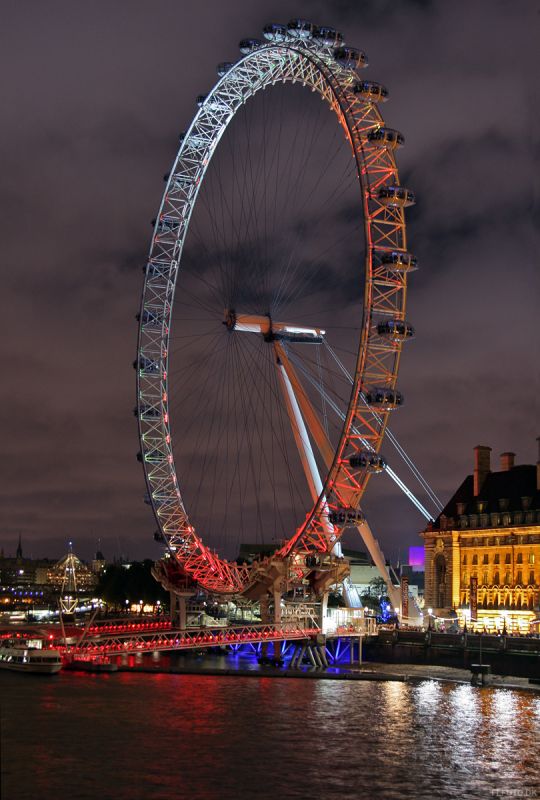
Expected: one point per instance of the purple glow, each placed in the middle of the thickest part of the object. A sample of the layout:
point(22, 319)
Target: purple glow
point(416, 557)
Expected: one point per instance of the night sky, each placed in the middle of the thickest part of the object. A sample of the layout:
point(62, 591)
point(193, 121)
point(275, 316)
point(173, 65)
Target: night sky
point(93, 98)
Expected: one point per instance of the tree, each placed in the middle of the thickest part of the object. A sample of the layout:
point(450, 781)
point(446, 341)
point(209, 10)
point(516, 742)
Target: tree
point(133, 582)
point(377, 587)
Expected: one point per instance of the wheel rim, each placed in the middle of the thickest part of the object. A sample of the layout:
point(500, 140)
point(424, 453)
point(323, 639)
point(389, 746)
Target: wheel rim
point(384, 298)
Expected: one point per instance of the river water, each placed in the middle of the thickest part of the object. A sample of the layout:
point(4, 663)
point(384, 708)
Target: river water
point(136, 735)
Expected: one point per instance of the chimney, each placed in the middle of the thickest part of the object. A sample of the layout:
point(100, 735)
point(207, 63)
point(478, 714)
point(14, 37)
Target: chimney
point(507, 461)
point(482, 466)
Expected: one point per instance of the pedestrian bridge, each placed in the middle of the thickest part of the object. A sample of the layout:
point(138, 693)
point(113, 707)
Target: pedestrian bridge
point(125, 639)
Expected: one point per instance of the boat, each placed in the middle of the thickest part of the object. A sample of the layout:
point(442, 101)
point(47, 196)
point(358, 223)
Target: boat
point(21, 658)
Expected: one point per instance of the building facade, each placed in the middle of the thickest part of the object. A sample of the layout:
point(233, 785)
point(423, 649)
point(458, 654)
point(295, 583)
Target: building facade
point(482, 553)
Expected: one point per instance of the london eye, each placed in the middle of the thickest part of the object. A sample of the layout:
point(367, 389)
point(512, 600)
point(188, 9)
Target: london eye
point(273, 316)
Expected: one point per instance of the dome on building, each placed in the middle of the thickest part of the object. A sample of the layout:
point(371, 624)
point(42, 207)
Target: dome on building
point(71, 574)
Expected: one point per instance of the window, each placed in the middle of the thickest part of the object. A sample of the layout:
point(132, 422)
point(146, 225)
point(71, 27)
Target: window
point(531, 577)
point(507, 578)
point(519, 558)
point(519, 577)
point(508, 559)
point(465, 558)
point(475, 559)
point(485, 578)
point(531, 558)
point(496, 579)
point(485, 560)
point(496, 558)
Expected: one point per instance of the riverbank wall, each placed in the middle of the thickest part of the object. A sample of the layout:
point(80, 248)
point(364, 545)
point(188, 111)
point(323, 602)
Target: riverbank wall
point(507, 655)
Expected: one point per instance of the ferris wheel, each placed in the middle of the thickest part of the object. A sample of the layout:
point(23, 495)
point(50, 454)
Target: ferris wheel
point(256, 326)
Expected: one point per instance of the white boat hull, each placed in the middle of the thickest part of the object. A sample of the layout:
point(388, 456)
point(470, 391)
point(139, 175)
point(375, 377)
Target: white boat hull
point(31, 660)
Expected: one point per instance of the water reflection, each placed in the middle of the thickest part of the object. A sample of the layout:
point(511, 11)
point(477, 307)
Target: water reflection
point(215, 738)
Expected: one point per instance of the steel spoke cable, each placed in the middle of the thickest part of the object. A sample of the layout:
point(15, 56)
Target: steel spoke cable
point(392, 438)
point(389, 471)
point(322, 173)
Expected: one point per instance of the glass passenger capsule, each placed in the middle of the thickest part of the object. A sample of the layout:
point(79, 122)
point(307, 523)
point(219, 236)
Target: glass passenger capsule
point(167, 224)
point(274, 32)
point(327, 37)
point(396, 330)
point(375, 92)
point(155, 456)
point(373, 462)
point(181, 181)
point(386, 137)
point(398, 260)
point(346, 516)
point(151, 318)
point(384, 399)
point(396, 196)
point(147, 366)
point(249, 45)
point(201, 99)
point(197, 141)
point(301, 28)
point(157, 269)
point(224, 67)
point(150, 412)
point(350, 58)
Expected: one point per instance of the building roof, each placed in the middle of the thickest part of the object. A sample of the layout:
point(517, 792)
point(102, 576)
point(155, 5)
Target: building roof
point(512, 485)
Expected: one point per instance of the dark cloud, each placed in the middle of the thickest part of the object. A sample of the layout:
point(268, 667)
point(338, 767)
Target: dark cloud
point(94, 98)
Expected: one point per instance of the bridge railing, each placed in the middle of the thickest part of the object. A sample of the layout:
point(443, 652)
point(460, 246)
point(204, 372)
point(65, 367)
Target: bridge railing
point(135, 641)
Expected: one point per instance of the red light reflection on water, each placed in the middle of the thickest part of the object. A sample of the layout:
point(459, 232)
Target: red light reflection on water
point(165, 736)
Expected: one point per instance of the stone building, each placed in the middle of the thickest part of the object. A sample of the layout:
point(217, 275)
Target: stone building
point(488, 537)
